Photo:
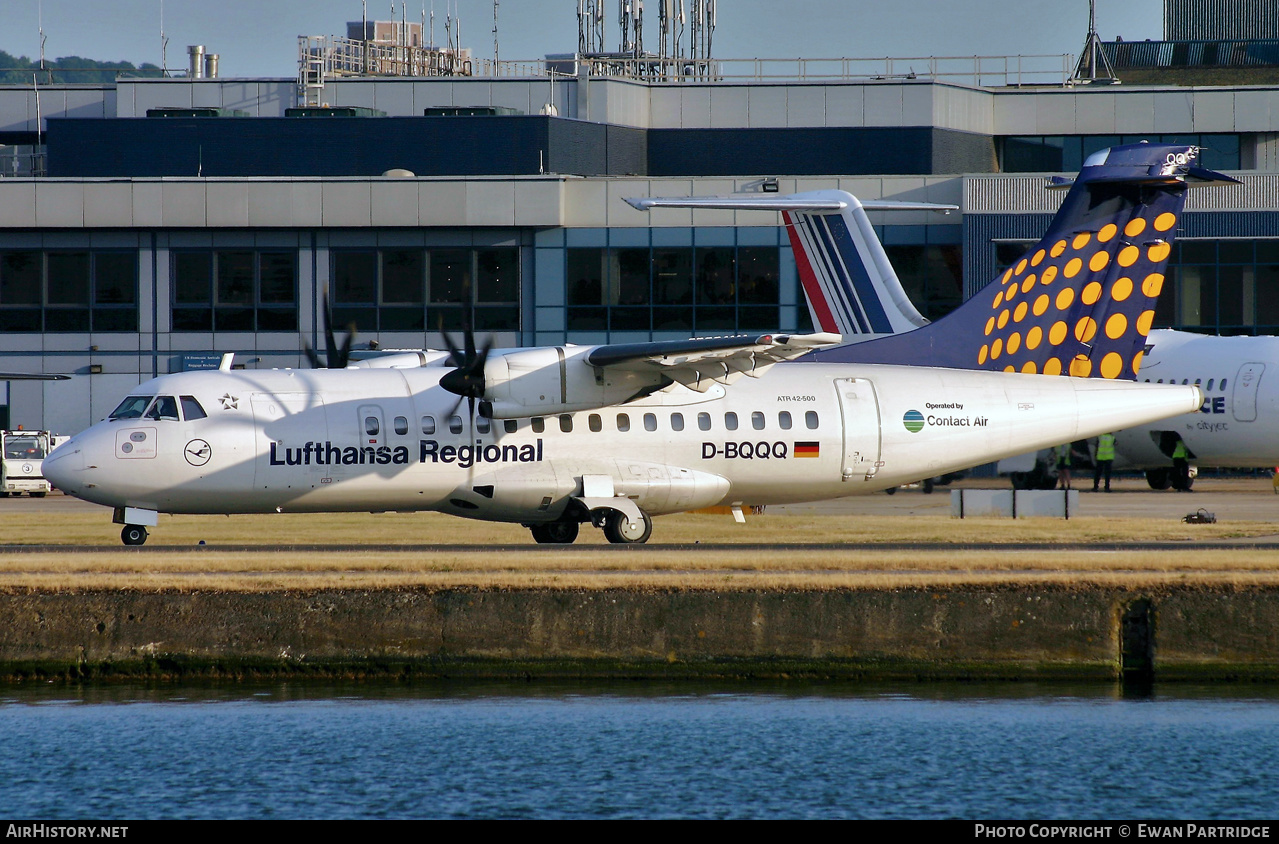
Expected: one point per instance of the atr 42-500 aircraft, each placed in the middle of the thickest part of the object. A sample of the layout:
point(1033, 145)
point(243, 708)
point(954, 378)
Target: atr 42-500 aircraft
point(554, 437)
point(852, 288)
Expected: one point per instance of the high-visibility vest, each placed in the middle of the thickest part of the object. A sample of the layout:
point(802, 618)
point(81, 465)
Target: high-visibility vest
point(1106, 447)
point(1179, 453)
point(1063, 454)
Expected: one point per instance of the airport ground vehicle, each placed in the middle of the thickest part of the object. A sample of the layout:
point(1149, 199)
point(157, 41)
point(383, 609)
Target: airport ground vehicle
point(21, 463)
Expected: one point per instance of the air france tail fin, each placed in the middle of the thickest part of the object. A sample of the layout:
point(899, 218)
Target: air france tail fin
point(1082, 300)
point(848, 281)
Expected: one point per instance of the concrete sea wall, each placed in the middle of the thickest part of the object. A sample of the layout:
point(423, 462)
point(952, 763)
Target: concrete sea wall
point(923, 633)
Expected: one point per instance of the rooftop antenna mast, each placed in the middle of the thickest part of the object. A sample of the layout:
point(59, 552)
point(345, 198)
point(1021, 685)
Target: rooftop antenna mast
point(1087, 69)
point(164, 45)
point(495, 4)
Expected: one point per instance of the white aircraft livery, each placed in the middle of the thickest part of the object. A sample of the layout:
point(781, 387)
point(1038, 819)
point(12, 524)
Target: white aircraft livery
point(613, 435)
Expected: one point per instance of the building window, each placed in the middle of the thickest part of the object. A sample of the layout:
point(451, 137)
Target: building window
point(68, 291)
point(235, 290)
point(413, 289)
point(704, 290)
point(1066, 153)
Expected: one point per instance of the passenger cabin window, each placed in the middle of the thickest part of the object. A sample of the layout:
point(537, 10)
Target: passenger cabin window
point(566, 423)
point(131, 408)
point(483, 425)
point(428, 424)
point(650, 422)
point(623, 422)
point(1222, 385)
point(677, 421)
point(1210, 380)
point(757, 420)
point(164, 408)
point(783, 420)
point(455, 424)
point(810, 420)
point(704, 421)
point(596, 424)
point(539, 424)
point(401, 425)
point(191, 409)
point(372, 427)
point(730, 421)
point(510, 425)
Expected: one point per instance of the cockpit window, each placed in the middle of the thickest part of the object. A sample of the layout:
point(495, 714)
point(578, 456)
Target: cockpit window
point(163, 408)
point(131, 407)
point(191, 409)
point(23, 448)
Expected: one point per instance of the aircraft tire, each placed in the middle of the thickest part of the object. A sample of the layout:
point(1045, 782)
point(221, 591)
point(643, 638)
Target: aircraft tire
point(133, 535)
point(928, 486)
point(618, 530)
point(892, 490)
point(1158, 478)
point(555, 533)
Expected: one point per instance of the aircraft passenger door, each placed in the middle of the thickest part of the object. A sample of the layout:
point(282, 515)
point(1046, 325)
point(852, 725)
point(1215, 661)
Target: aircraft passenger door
point(1244, 398)
point(859, 408)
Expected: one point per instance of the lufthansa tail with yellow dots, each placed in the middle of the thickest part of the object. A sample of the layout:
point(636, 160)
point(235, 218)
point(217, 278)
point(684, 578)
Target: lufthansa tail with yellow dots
point(1067, 306)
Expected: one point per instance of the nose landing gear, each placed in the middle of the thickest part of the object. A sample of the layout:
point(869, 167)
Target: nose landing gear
point(133, 535)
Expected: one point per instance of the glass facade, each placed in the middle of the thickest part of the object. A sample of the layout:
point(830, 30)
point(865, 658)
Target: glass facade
point(68, 290)
point(415, 289)
point(235, 290)
point(1066, 153)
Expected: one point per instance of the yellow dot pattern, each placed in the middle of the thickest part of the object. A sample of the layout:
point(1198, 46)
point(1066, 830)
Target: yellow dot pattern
point(1111, 365)
point(1101, 283)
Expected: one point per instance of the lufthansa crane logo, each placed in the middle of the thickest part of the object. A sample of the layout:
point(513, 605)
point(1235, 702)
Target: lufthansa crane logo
point(198, 452)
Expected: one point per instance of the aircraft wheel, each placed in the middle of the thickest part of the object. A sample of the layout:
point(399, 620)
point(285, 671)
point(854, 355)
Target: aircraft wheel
point(133, 535)
point(892, 490)
point(928, 486)
point(1158, 478)
point(555, 533)
point(619, 530)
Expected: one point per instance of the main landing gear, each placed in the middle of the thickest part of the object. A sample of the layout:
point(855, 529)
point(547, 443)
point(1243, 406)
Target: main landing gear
point(618, 528)
point(133, 535)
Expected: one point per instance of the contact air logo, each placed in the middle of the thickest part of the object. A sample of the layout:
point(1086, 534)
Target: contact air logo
point(914, 421)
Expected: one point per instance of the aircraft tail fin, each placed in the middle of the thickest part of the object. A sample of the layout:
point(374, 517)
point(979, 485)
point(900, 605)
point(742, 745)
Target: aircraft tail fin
point(1082, 300)
point(848, 281)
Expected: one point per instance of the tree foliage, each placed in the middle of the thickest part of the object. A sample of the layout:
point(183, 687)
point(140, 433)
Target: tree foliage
point(20, 70)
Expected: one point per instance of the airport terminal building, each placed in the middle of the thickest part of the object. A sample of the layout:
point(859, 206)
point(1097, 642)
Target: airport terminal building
point(149, 225)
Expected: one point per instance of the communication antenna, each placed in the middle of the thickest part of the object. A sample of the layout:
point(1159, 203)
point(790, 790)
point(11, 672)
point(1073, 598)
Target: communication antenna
point(495, 3)
point(164, 45)
point(1092, 55)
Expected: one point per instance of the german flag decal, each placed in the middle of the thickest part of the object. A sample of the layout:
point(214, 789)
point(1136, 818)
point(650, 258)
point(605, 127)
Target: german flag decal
point(807, 450)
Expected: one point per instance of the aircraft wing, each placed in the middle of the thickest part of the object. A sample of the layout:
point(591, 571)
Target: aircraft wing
point(700, 362)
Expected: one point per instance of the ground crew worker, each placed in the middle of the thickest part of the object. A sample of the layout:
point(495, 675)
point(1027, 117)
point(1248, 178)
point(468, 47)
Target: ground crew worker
point(1063, 465)
point(1105, 457)
point(1181, 467)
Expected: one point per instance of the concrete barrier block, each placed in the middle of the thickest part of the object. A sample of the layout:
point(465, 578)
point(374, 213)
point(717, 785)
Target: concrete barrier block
point(1021, 504)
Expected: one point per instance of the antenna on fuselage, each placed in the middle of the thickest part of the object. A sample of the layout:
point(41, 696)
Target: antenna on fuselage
point(227, 360)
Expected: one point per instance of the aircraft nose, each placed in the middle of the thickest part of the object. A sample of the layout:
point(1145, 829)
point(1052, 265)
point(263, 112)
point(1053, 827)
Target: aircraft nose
point(64, 466)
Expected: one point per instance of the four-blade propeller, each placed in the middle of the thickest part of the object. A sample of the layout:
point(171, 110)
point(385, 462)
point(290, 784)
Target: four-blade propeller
point(336, 357)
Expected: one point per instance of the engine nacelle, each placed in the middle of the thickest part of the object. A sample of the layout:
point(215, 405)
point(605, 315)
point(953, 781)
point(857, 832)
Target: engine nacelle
point(546, 381)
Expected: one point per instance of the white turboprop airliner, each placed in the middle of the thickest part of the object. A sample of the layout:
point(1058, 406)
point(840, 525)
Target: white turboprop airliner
point(617, 434)
point(1237, 425)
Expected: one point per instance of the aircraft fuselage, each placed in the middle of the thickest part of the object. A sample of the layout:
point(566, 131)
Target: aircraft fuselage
point(393, 439)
